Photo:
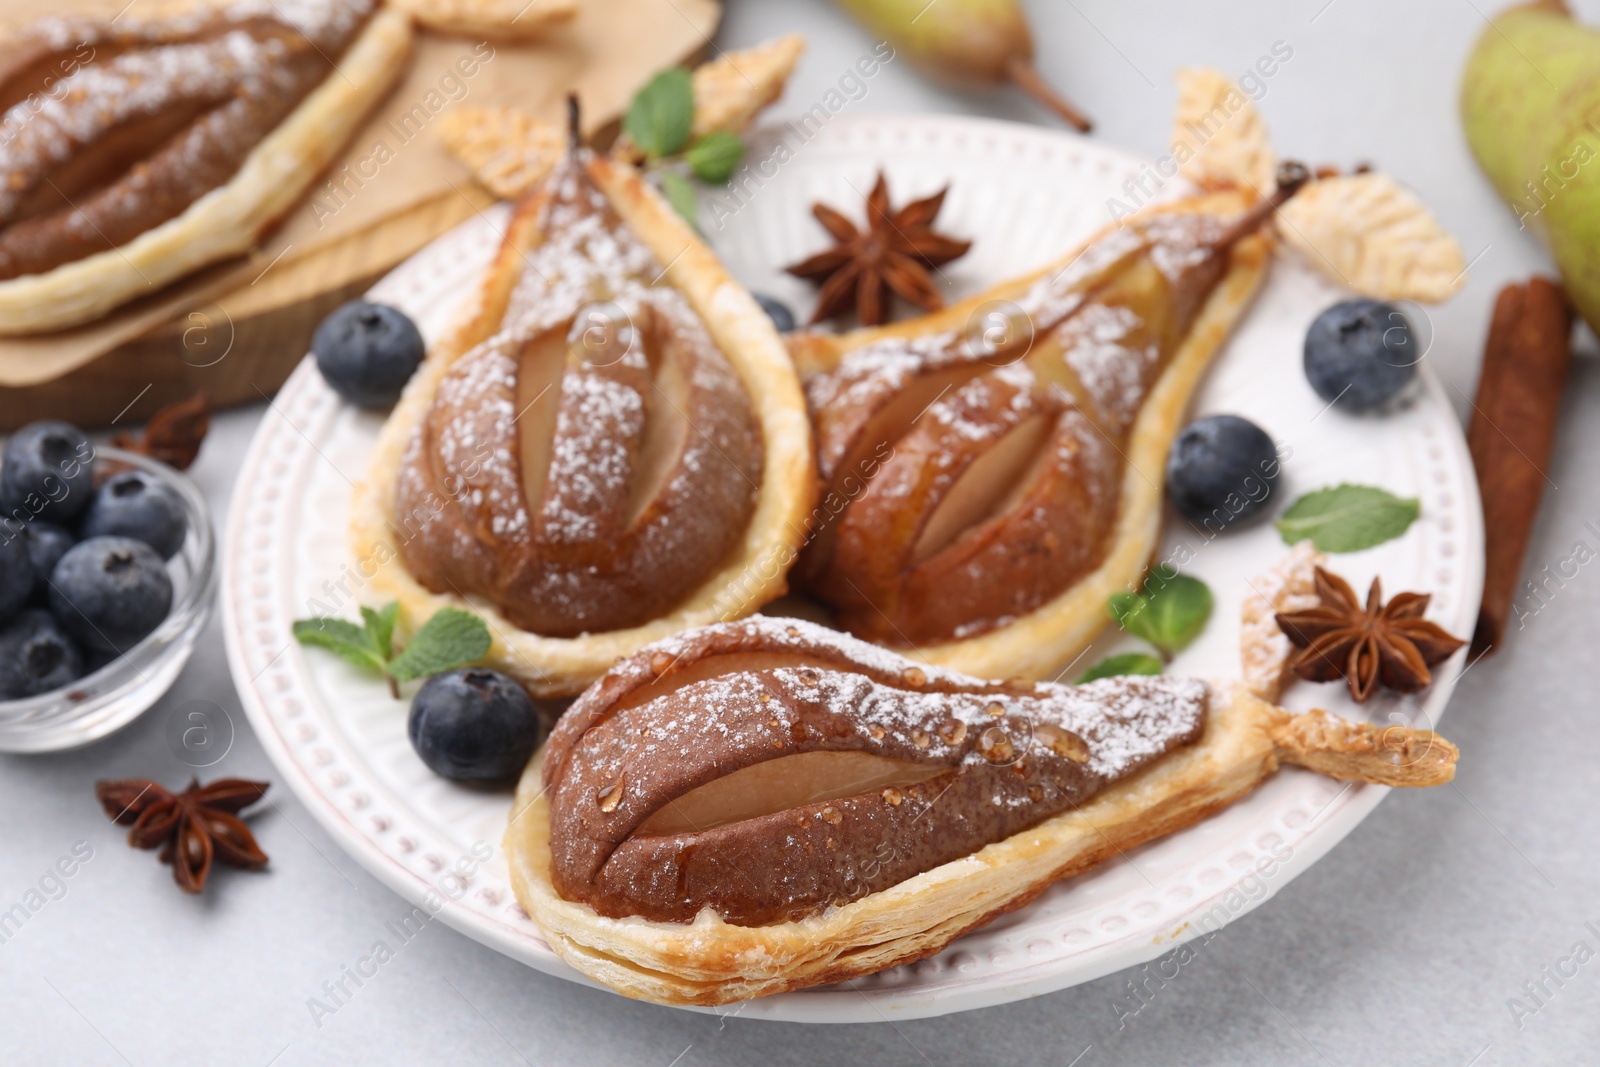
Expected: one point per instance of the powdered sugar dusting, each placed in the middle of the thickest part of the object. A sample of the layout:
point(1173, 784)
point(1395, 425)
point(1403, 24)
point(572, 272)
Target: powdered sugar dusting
point(1128, 721)
point(599, 420)
point(1125, 720)
point(984, 409)
point(1264, 650)
point(1107, 346)
point(768, 632)
point(585, 259)
point(990, 762)
point(588, 556)
point(1112, 357)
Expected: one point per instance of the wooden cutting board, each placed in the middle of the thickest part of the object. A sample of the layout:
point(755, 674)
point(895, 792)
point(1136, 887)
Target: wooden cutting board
point(237, 329)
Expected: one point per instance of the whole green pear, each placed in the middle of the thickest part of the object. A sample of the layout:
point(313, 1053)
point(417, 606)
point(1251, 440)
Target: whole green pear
point(964, 42)
point(1530, 104)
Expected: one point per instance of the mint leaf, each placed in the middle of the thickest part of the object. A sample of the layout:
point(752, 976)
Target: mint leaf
point(714, 156)
point(1348, 518)
point(680, 194)
point(1125, 606)
point(452, 638)
point(1117, 666)
point(380, 627)
point(341, 637)
point(662, 113)
point(1169, 613)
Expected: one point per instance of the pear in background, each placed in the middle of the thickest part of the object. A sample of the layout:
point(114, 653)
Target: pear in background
point(1530, 103)
point(965, 42)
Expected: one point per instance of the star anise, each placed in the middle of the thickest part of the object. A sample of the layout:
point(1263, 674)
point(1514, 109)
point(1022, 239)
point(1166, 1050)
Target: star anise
point(1392, 643)
point(174, 433)
point(893, 254)
point(190, 827)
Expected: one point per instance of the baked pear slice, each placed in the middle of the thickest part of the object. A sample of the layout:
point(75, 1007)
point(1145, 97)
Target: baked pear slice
point(847, 810)
point(993, 472)
point(610, 447)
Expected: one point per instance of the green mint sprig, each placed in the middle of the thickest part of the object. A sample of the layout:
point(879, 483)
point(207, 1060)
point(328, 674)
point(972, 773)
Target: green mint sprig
point(1348, 518)
point(451, 638)
point(1117, 666)
point(660, 121)
point(1169, 611)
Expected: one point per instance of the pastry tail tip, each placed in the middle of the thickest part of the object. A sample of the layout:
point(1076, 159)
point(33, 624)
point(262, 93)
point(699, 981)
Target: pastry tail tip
point(1380, 753)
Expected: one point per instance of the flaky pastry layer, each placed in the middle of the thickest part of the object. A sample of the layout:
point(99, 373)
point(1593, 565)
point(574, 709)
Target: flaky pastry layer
point(710, 962)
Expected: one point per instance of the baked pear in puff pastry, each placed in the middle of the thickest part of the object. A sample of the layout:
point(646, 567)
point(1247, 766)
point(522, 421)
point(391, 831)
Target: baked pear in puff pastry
point(993, 472)
point(611, 447)
point(767, 804)
point(137, 148)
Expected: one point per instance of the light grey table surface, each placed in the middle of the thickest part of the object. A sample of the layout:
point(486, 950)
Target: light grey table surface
point(1402, 946)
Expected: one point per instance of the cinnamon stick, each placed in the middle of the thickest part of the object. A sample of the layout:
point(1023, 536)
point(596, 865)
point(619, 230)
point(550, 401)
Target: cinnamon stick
point(1512, 433)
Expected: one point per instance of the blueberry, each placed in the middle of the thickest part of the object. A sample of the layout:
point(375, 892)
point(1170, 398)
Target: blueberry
point(474, 725)
point(1221, 469)
point(367, 352)
point(16, 570)
point(36, 656)
point(48, 472)
point(777, 311)
point(110, 592)
point(1360, 353)
point(138, 505)
point(47, 543)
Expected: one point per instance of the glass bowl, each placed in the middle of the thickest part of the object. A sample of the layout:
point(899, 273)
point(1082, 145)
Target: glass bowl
point(125, 688)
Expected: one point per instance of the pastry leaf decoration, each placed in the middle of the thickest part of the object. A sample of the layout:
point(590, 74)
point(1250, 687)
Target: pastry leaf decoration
point(1124, 664)
point(1348, 518)
point(1169, 612)
point(451, 638)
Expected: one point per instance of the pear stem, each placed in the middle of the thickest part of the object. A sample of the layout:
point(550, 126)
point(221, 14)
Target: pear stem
point(1027, 77)
point(574, 133)
point(1292, 177)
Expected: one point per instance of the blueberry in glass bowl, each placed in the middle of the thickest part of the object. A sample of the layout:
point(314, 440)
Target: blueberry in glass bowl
point(37, 656)
point(137, 505)
point(47, 472)
point(72, 680)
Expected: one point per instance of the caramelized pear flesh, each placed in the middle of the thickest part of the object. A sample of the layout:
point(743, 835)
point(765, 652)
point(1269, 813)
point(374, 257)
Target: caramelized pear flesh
point(831, 769)
point(593, 462)
point(1000, 475)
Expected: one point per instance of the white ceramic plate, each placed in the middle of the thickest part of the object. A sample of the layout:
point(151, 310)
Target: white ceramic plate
point(1026, 195)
